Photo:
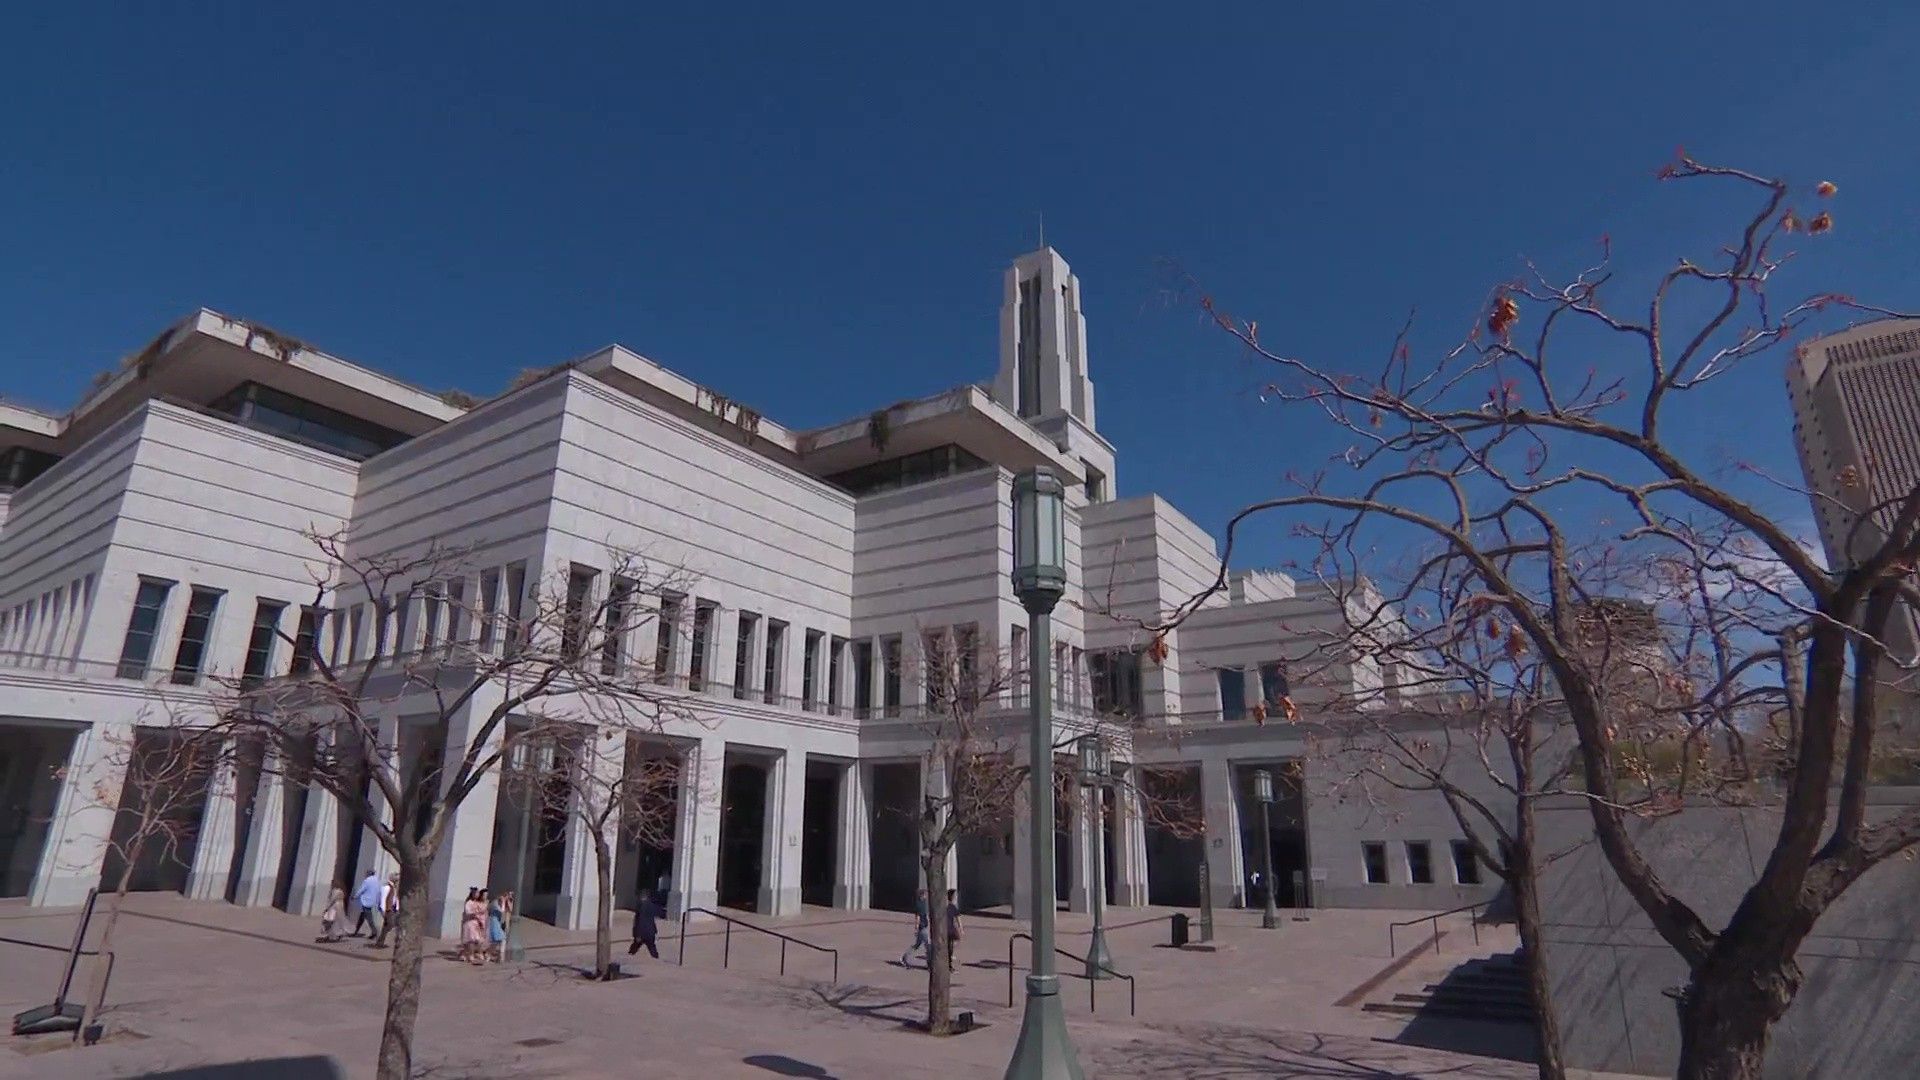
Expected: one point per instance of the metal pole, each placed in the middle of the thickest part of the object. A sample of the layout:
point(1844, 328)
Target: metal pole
point(1099, 960)
point(1043, 1051)
point(1268, 918)
point(516, 947)
point(1206, 901)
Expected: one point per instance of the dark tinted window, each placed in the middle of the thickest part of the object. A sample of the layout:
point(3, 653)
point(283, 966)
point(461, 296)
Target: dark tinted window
point(137, 650)
point(307, 422)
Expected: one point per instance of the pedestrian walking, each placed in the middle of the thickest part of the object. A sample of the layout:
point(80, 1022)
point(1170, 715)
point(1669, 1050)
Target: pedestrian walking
point(646, 931)
point(920, 942)
point(473, 933)
point(330, 915)
point(953, 924)
point(368, 897)
point(496, 930)
point(389, 908)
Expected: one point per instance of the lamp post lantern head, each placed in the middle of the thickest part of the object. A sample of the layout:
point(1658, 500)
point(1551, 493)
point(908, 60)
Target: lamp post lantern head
point(1263, 785)
point(1039, 539)
point(1094, 759)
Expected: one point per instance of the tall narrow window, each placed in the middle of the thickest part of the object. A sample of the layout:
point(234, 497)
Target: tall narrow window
point(355, 619)
point(1117, 685)
point(810, 672)
point(666, 640)
point(776, 656)
point(1273, 682)
point(433, 600)
point(890, 661)
point(836, 662)
point(266, 628)
point(699, 644)
point(306, 641)
point(966, 644)
point(513, 603)
point(1027, 356)
point(573, 631)
point(456, 614)
point(863, 678)
point(1233, 694)
point(1466, 865)
point(619, 611)
point(192, 653)
point(137, 650)
point(403, 622)
point(489, 603)
point(1419, 862)
point(1373, 858)
point(1017, 660)
point(743, 654)
point(1076, 671)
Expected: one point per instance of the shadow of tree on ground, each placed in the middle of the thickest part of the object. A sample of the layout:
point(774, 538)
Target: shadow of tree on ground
point(1224, 1053)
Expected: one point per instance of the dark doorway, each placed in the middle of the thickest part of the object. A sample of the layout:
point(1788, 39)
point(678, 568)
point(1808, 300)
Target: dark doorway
point(893, 848)
point(649, 825)
point(162, 804)
point(1287, 823)
point(743, 827)
point(1107, 818)
point(820, 832)
point(1173, 859)
point(30, 762)
point(984, 858)
point(296, 776)
point(1063, 800)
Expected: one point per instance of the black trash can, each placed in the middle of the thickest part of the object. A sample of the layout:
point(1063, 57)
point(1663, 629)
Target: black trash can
point(1180, 930)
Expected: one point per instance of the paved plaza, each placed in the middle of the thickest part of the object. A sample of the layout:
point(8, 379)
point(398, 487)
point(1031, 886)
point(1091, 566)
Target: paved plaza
point(201, 983)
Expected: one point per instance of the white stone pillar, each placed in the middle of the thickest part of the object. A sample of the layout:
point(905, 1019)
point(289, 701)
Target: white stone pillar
point(696, 845)
point(934, 784)
point(373, 857)
point(313, 868)
point(1129, 842)
point(580, 878)
point(96, 770)
point(466, 851)
point(213, 848)
point(780, 863)
point(852, 867)
point(260, 862)
point(1223, 832)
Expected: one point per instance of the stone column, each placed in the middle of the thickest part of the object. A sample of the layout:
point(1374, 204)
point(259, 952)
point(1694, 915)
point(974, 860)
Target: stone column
point(260, 862)
point(372, 856)
point(466, 851)
point(313, 869)
point(1223, 832)
point(780, 864)
point(96, 770)
point(1129, 841)
point(852, 869)
point(213, 848)
point(580, 879)
point(934, 784)
point(1080, 836)
point(696, 845)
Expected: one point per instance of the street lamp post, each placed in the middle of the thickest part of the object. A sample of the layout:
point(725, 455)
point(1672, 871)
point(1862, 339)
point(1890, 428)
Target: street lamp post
point(1263, 791)
point(1095, 773)
point(1039, 579)
point(527, 761)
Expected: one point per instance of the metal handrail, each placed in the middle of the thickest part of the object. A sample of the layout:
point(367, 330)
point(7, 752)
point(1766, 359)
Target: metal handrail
point(726, 956)
point(1435, 920)
point(1093, 1004)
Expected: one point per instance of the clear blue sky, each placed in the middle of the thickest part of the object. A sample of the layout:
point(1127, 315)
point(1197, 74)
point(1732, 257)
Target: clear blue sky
point(810, 210)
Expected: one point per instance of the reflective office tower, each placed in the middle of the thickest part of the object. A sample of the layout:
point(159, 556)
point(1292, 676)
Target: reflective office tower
point(155, 539)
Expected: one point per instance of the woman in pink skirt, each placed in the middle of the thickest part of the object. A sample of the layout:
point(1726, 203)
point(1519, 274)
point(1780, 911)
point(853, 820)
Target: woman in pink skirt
point(473, 927)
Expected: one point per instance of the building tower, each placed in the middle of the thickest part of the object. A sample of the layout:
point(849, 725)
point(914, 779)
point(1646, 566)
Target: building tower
point(1043, 363)
point(1856, 421)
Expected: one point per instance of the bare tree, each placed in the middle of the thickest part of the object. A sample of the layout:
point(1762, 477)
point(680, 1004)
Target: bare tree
point(617, 786)
point(974, 721)
point(1536, 459)
point(156, 818)
point(476, 661)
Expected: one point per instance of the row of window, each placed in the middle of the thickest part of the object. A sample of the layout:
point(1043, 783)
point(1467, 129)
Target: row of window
point(1418, 862)
point(197, 632)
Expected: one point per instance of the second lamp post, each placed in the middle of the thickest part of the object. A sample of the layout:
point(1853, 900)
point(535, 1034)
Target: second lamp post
point(1096, 772)
point(1263, 793)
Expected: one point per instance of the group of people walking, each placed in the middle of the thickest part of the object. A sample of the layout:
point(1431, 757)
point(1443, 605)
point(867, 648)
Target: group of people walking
point(923, 938)
point(379, 904)
point(483, 926)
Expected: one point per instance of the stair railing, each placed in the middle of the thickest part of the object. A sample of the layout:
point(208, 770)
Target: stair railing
point(1434, 919)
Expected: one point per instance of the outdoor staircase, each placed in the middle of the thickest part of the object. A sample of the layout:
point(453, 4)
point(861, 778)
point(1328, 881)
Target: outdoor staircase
point(1493, 990)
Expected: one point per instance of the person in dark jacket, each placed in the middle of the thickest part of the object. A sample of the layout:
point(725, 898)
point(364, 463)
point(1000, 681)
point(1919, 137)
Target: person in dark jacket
point(646, 932)
point(953, 924)
point(920, 941)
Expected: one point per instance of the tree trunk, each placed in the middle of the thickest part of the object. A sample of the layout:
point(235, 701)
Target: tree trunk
point(1726, 1015)
point(1526, 903)
point(939, 978)
point(403, 977)
point(97, 989)
point(603, 914)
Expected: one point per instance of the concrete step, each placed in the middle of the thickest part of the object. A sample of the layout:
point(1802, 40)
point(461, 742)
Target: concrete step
point(1452, 1012)
point(1466, 1001)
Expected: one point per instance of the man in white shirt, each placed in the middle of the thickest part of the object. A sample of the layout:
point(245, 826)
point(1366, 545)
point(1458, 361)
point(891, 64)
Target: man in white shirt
point(389, 908)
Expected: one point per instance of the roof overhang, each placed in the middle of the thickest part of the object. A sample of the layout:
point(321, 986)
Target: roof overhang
point(965, 416)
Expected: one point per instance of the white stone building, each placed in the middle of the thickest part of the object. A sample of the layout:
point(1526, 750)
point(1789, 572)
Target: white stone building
point(152, 536)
